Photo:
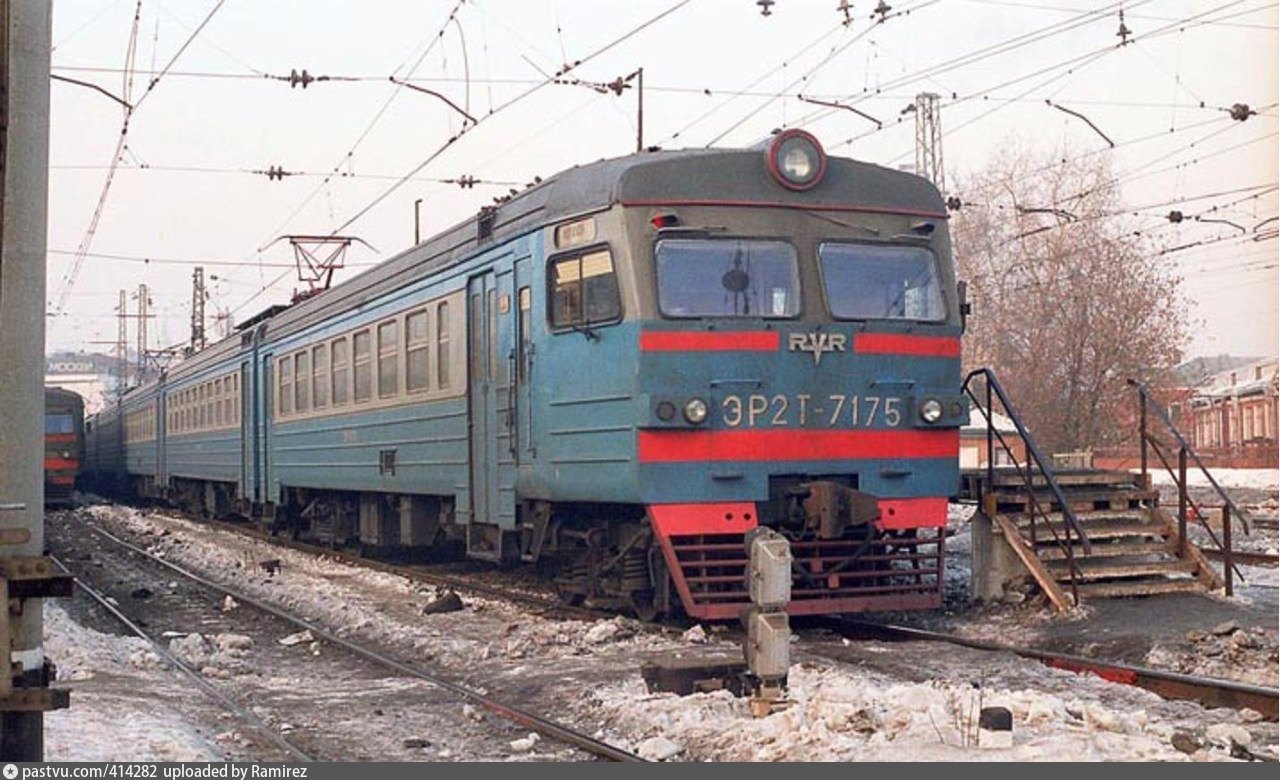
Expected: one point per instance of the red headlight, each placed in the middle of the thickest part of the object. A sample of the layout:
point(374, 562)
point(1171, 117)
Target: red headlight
point(796, 160)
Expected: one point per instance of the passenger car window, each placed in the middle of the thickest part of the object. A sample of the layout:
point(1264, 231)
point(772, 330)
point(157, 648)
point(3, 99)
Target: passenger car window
point(339, 360)
point(584, 290)
point(362, 370)
point(416, 352)
point(881, 282)
point(388, 374)
point(727, 278)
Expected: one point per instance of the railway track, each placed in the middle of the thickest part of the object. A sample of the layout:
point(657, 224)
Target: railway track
point(545, 726)
point(1212, 692)
point(211, 691)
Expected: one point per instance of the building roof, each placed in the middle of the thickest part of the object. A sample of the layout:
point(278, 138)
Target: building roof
point(1256, 378)
point(978, 422)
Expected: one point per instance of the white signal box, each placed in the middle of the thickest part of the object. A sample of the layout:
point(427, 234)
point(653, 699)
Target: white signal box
point(770, 571)
point(768, 645)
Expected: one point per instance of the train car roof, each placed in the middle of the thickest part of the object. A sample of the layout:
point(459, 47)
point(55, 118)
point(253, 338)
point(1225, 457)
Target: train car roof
point(683, 176)
point(61, 393)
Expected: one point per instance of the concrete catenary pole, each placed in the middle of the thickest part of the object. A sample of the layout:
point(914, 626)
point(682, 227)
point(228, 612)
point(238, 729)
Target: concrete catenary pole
point(24, 163)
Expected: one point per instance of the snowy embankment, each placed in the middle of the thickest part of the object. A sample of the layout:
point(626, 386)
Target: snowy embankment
point(902, 702)
point(119, 699)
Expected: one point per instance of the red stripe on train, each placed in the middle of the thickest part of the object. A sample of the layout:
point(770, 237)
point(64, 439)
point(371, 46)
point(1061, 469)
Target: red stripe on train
point(903, 344)
point(794, 445)
point(708, 341)
point(61, 464)
point(60, 438)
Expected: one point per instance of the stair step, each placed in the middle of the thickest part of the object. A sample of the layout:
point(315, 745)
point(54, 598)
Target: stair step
point(1103, 529)
point(1115, 568)
point(1098, 516)
point(1151, 587)
point(1066, 478)
point(1104, 549)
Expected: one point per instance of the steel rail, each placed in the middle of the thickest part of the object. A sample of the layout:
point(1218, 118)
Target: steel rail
point(1210, 691)
point(279, 740)
point(538, 723)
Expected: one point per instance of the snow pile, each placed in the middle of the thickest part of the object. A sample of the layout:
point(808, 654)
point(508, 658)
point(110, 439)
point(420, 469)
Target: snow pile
point(118, 689)
point(218, 655)
point(82, 652)
point(839, 714)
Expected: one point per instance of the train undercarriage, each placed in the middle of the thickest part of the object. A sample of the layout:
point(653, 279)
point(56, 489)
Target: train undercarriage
point(653, 562)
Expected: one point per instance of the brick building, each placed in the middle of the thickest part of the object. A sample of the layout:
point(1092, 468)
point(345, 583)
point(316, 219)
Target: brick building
point(1233, 414)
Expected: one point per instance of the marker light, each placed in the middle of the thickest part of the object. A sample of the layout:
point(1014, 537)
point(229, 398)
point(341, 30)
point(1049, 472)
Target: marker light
point(796, 160)
point(931, 411)
point(695, 411)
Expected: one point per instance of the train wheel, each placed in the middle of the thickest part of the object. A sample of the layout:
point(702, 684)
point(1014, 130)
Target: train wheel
point(570, 598)
point(645, 607)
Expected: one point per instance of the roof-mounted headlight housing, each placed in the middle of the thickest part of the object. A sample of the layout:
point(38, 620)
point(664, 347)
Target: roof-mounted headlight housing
point(796, 160)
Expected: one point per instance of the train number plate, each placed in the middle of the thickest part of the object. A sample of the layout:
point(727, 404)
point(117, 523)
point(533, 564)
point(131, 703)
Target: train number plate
point(817, 411)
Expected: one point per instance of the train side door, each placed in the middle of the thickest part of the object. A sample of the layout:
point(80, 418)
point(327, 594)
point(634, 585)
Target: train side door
point(263, 398)
point(523, 363)
point(162, 438)
point(482, 293)
point(248, 486)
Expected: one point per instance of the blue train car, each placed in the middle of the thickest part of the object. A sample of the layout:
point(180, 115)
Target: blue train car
point(621, 371)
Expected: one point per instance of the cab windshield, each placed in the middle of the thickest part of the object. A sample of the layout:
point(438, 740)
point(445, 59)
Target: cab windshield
point(727, 278)
point(59, 423)
point(870, 282)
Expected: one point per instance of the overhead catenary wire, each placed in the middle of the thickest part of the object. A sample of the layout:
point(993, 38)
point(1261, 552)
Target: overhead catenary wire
point(566, 69)
point(131, 107)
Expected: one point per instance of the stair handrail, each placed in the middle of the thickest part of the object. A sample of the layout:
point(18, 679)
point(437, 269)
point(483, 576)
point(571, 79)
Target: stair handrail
point(1147, 402)
point(1033, 451)
point(1145, 394)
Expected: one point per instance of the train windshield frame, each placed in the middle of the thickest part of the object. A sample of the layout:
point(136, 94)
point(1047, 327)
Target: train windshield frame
point(59, 422)
point(863, 281)
point(727, 277)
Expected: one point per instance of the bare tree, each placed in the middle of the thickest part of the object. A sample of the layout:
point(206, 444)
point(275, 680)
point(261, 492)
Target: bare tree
point(1069, 299)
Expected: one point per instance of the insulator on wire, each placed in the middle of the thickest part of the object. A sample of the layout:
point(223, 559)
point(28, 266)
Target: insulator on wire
point(1176, 216)
point(1241, 111)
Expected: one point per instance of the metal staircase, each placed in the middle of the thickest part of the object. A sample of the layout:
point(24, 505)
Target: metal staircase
point(1086, 533)
point(1134, 547)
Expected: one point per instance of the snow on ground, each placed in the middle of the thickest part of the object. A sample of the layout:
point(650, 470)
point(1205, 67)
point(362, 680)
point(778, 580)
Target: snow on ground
point(882, 708)
point(119, 688)
point(1257, 479)
point(356, 601)
point(845, 714)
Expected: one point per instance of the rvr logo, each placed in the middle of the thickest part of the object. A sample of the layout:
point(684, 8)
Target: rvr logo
point(816, 343)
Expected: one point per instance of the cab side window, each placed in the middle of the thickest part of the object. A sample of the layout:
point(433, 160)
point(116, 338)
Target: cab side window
point(584, 290)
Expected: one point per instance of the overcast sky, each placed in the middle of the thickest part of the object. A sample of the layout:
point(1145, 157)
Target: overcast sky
point(717, 72)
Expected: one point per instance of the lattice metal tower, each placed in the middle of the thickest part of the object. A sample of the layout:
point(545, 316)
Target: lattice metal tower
point(929, 139)
point(122, 343)
point(144, 301)
point(198, 296)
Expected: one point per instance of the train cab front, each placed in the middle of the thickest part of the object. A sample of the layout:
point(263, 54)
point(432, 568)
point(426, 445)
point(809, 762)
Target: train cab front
point(801, 370)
